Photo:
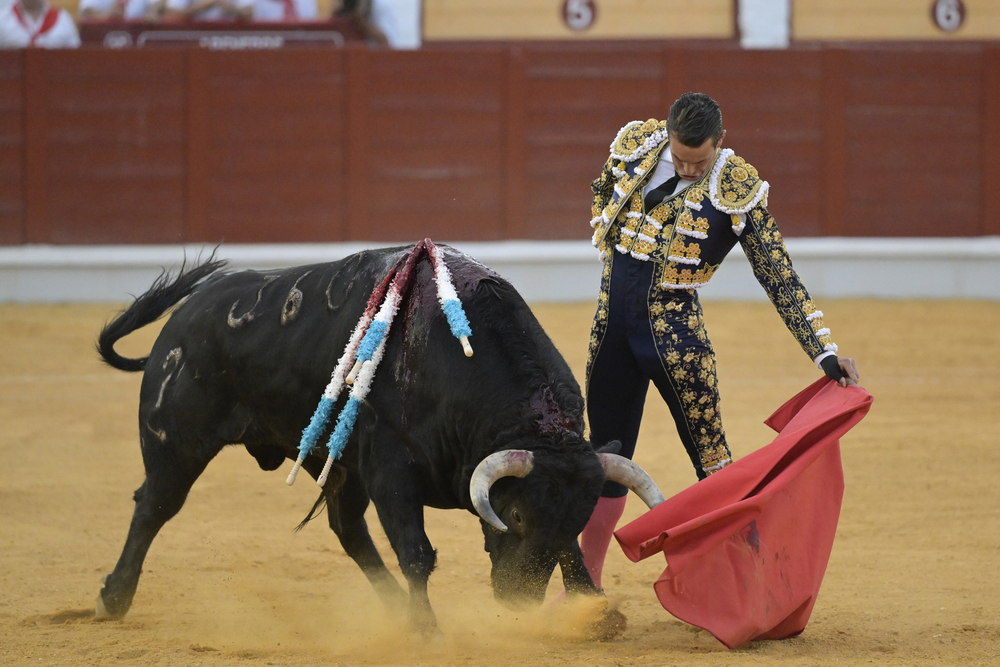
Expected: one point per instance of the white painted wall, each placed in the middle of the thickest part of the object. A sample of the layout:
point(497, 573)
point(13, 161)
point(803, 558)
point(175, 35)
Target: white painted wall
point(765, 24)
point(541, 270)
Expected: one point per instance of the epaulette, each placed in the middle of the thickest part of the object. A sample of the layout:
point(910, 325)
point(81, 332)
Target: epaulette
point(638, 138)
point(735, 186)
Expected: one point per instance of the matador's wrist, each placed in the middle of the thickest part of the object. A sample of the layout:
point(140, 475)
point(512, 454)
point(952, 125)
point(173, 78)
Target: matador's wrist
point(831, 366)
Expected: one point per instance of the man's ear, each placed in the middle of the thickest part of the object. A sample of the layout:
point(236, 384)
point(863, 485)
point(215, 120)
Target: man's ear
point(613, 447)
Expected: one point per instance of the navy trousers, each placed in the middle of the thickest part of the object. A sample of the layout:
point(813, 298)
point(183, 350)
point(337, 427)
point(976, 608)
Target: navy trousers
point(644, 333)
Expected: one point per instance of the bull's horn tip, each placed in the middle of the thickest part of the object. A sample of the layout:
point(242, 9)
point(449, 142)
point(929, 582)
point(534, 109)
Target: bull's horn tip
point(466, 346)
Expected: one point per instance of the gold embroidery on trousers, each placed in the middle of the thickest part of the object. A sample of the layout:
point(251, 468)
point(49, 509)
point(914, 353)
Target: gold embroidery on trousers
point(694, 378)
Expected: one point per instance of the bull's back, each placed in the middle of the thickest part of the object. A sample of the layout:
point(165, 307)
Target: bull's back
point(263, 342)
point(261, 345)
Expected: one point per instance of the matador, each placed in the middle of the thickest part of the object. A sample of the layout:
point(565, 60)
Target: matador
point(668, 207)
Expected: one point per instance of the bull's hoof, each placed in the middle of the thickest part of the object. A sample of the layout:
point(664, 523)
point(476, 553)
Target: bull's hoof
point(103, 611)
point(424, 622)
point(426, 627)
point(609, 625)
point(427, 631)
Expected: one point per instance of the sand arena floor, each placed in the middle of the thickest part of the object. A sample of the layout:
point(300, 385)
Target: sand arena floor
point(913, 579)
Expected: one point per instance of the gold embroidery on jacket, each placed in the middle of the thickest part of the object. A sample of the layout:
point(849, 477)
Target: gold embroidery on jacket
point(674, 277)
point(735, 186)
point(615, 186)
point(732, 187)
point(773, 268)
point(688, 225)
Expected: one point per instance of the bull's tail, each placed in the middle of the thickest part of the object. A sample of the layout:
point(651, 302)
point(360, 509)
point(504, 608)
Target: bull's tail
point(165, 293)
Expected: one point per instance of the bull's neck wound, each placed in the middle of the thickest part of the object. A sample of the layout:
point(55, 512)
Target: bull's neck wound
point(550, 418)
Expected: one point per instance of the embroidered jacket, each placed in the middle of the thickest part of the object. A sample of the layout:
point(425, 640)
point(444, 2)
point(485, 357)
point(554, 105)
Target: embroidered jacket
point(692, 231)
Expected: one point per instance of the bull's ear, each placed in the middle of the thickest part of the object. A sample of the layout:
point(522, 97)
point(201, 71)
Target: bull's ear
point(613, 447)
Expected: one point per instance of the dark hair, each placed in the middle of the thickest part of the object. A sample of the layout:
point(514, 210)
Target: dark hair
point(693, 118)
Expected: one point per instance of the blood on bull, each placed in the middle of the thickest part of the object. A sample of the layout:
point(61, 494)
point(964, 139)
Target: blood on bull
point(245, 356)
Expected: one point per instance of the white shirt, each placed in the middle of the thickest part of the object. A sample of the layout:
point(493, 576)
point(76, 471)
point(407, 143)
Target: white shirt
point(213, 14)
point(54, 29)
point(399, 21)
point(664, 172)
point(102, 7)
point(136, 9)
point(274, 10)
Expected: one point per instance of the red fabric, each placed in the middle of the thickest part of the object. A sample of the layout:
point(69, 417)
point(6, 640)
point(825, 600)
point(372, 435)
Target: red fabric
point(747, 547)
point(288, 10)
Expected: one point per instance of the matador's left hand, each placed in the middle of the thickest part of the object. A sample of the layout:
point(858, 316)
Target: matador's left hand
point(850, 370)
point(842, 369)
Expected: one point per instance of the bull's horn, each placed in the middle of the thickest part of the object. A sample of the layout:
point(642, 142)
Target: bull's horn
point(625, 472)
point(507, 463)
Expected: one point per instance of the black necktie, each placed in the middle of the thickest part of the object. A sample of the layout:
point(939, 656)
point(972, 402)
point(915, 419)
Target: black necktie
point(660, 192)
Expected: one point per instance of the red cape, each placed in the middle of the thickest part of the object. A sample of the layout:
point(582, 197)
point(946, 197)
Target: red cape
point(747, 547)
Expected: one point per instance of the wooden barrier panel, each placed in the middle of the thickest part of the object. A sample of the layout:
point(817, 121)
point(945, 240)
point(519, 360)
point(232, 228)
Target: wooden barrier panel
point(990, 123)
point(575, 101)
point(105, 143)
point(12, 227)
point(914, 140)
point(428, 145)
point(267, 131)
point(476, 142)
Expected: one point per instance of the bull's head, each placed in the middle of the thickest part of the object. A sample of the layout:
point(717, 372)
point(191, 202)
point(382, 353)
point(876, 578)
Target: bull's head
point(541, 502)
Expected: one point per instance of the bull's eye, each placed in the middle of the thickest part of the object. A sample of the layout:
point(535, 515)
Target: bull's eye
point(516, 516)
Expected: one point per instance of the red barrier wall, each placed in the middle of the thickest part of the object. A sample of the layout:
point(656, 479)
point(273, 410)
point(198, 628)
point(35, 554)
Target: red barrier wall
point(476, 142)
point(12, 158)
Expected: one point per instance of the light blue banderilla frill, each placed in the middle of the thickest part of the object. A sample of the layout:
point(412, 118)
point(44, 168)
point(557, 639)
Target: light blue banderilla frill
point(364, 351)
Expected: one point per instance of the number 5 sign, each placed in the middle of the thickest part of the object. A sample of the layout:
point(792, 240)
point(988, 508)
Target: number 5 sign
point(948, 14)
point(579, 14)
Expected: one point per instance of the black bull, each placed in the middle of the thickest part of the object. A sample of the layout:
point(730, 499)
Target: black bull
point(245, 359)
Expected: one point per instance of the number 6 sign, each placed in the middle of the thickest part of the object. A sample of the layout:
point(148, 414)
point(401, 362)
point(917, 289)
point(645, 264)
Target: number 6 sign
point(948, 14)
point(579, 14)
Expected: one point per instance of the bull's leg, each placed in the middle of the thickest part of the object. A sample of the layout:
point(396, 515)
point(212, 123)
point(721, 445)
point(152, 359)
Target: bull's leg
point(160, 497)
point(402, 518)
point(576, 577)
point(346, 504)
